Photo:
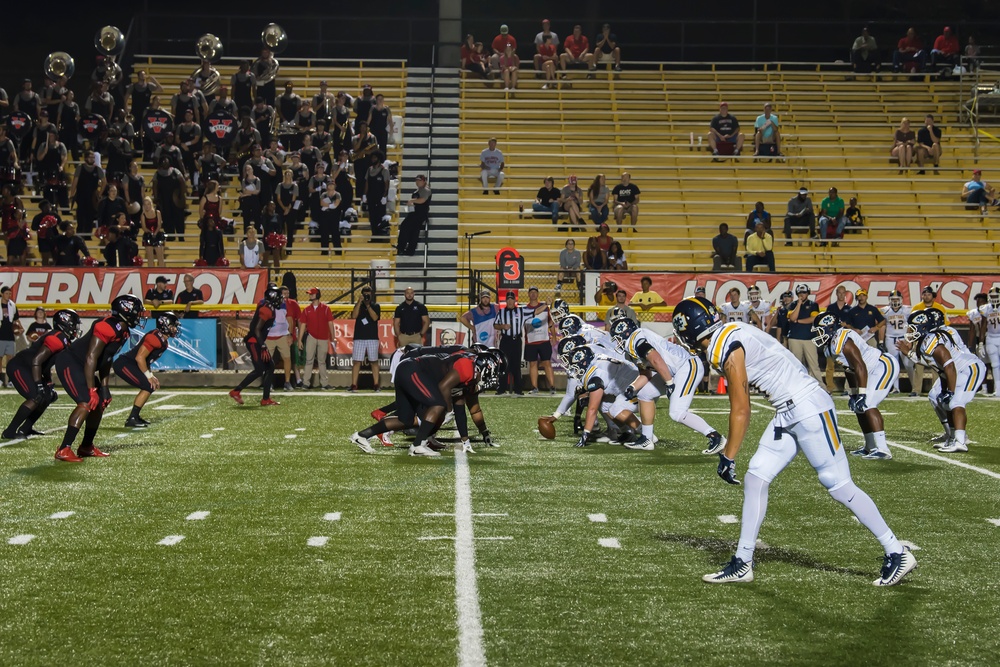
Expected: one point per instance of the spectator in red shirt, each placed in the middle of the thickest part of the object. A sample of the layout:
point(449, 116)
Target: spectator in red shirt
point(472, 57)
point(510, 65)
point(500, 43)
point(909, 51)
point(540, 39)
point(546, 59)
point(946, 52)
point(577, 53)
point(315, 336)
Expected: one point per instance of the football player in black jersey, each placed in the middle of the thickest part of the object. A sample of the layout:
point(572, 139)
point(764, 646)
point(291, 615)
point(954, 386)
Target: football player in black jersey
point(31, 372)
point(134, 366)
point(256, 342)
point(85, 370)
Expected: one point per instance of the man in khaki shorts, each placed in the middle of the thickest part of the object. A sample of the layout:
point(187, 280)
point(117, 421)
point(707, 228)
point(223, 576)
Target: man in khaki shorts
point(279, 338)
point(411, 320)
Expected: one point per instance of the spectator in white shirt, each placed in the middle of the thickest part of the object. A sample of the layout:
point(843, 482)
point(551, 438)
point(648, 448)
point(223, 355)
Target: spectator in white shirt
point(491, 163)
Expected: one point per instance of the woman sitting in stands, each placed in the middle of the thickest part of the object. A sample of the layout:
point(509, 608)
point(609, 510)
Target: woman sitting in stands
point(616, 257)
point(510, 65)
point(153, 238)
point(604, 240)
point(903, 145)
point(594, 258)
point(597, 200)
point(472, 58)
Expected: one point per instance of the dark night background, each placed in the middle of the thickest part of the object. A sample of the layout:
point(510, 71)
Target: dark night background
point(408, 29)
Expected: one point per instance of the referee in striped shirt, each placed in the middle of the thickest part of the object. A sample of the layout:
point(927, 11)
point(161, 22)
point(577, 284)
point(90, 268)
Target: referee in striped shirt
point(508, 326)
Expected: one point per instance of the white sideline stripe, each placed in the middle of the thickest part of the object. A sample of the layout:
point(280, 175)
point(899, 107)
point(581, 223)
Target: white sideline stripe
point(171, 540)
point(106, 414)
point(331, 516)
point(913, 450)
point(63, 515)
point(171, 407)
point(219, 428)
point(20, 539)
point(317, 541)
point(208, 435)
point(291, 436)
point(197, 516)
point(728, 518)
point(610, 542)
point(300, 429)
point(598, 518)
point(469, 619)
point(431, 538)
point(474, 514)
point(995, 522)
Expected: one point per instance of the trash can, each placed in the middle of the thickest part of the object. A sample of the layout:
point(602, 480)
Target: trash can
point(382, 279)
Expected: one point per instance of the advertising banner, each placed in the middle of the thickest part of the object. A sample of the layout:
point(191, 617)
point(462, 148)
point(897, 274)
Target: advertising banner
point(84, 286)
point(193, 350)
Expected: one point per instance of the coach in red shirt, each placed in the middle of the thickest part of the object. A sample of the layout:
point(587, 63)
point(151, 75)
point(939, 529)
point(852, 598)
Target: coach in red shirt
point(316, 321)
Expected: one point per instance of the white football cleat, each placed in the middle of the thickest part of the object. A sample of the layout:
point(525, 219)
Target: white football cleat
point(423, 450)
point(954, 446)
point(642, 443)
point(941, 438)
point(895, 567)
point(735, 571)
point(362, 443)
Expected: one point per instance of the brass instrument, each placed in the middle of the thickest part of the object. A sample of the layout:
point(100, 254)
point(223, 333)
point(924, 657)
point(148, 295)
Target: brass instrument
point(112, 73)
point(208, 47)
point(59, 64)
point(275, 39)
point(109, 41)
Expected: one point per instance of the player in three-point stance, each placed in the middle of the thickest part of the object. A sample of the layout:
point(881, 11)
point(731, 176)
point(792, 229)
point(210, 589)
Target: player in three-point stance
point(805, 420)
point(605, 380)
point(256, 342)
point(134, 366)
point(870, 374)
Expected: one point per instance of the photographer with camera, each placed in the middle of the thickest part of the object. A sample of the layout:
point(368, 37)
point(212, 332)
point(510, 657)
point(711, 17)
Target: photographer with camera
point(605, 297)
point(365, 344)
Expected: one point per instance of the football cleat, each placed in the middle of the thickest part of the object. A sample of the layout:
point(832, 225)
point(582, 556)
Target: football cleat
point(448, 418)
point(268, 401)
point(435, 444)
point(941, 437)
point(235, 395)
point(85, 451)
point(423, 450)
point(877, 456)
point(386, 439)
point(642, 442)
point(66, 454)
point(895, 567)
point(13, 435)
point(378, 415)
point(861, 451)
point(954, 446)
point(30, 432)
point(136, 423)
point(735, 571)
point(362, 443)
point(716, 443)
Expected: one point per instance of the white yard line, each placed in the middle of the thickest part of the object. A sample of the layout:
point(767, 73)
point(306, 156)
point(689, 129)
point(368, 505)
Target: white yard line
point(610, 542)
point(63, 515)
point(20, 539)
point(598, 518)
point(318, 541)
point(470, 627)
point(475, 514)
point(197, 516)
point(171, 540)
point(913, 450)
point(291, 436)
point(331, 516)
point(106, 414)
point(995, 522)
point(728, 518)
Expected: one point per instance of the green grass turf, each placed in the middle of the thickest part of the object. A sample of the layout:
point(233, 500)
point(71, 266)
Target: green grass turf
point(244, 588)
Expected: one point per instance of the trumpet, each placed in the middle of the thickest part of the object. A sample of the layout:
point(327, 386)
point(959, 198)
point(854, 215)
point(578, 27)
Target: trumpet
point(208, 47)
point(59, 64)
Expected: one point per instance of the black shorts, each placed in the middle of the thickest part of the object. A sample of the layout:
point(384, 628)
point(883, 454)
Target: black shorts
point(73, 378)
point(128, 370)
point(415, 392)
point(20, 374)
point(538, 352)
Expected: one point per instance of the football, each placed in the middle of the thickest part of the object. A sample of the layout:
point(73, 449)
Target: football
point(547, 427)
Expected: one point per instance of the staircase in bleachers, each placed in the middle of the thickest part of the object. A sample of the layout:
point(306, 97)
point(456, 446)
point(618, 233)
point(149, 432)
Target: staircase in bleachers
point(837, 131)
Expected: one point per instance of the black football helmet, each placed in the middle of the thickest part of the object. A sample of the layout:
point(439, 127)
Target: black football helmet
point(560, 309)
point(68, 322)
point(168, 324)
point(621, 331)
point(566, 347)
point(129, 309)
point(580, 360)
point(571, 325)
point(478, 348)
point(695, 318)
point(272, 296)
point(825, 328)
point(492, 365)
point(918, 325)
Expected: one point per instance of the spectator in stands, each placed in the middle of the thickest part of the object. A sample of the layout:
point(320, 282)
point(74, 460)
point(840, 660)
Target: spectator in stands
point(616, 257)
point(571, 201)
point(540, 38)
point(548, 59)
point(977, 193)
point(800, 213)
point(473, 59)
point(760, 249)
point(864, 54)
point(831, 212)
point(190, 296)
point(316, 320)
point(604, 239)
point(626, 196)
point(416, 219)
point(510, 66)
point(377, 192)
point(853, 213)
point(250, 206)
point(328, 219)
point(491, 165)
point(17, 235)
point(569, 263)
point(169, 189)
point(647, 299)
point(946, 53)
point(69, 247)
point(725, 250)
point(410, 321)
point(758, 214)
point(903, 144)
point(159, 294)
point(153, 238)
point(547, 199)
point(929, 144)
point(620, 309)
point(111, 210)
point(605, 297)
point(597, 200)
point(88, 184)
point(909, 52)
point(972, 54)
point(724, 136)
point(499, 45)
point(47, 235)
point(381, 122)
point(576, 53)
point(211, 246)
point(251, 249)
point(767, 136)
point(606, 48)
point(594, 259)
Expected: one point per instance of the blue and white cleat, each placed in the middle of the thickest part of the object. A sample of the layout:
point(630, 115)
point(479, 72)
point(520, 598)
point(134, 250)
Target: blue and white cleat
point(716, 443)
point(876, 455)
point(895, 567)
point(735, 571)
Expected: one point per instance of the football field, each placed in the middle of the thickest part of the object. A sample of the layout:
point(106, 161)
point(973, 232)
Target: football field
point(248, 536)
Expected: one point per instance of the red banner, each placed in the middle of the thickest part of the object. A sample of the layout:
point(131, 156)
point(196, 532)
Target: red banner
point(344, 332)
point(955, 292)
point(84, 286)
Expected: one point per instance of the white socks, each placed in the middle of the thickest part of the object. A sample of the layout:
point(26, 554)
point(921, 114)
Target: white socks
point(647, 431)
point(754, 509)
point(694, 422)
point(864, 508)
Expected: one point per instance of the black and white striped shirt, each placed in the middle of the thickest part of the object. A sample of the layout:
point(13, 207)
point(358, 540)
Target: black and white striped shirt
point(513, 317)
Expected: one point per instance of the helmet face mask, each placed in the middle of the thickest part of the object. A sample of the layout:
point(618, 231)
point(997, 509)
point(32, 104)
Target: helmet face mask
point(571, 325)
point(824, 329)
point(754, 295)
point(621, 332)
point(918, 326)
point(566, 347)
point(579, 361)
point(129, 309)
point(695, 318)
point(491, 365)
point(560, 309)
point(168, 324)
point(896, 300)
point(68, 322)
point(994, 296)
point(272, 295)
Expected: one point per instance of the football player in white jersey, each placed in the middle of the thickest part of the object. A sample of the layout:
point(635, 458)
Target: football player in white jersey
point(896, 315)
point(960, 374)
point(989, 328)
point(677, 375)
point(605, 380)
point(805, 420)
point(733, 310)
point(760, 311)
point(870, 374)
